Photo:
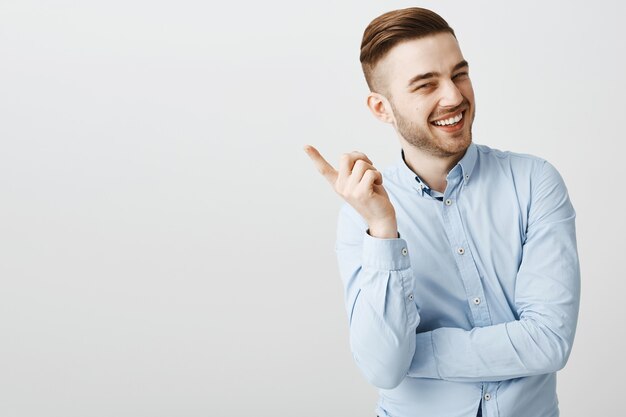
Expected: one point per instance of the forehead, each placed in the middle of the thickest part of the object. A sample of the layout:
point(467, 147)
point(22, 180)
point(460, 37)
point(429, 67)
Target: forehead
point(435, 53)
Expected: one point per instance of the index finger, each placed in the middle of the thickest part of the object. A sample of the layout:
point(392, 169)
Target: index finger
point(321, 164)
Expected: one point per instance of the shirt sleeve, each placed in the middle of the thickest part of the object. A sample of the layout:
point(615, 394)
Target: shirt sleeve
point(378, 284)
point(547, 294)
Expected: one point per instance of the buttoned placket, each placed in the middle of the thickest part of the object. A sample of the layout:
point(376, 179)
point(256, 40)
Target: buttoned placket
point(487, 401)
point(472, 283)
point(453, 224)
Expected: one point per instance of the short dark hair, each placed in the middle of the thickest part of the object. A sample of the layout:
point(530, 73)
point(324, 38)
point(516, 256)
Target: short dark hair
point(391, 28)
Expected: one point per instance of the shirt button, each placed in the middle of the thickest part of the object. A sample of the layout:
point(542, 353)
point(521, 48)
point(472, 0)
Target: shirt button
point(448, 202)
point(487, 397)
point(405, 252)
point(467, 176)
point(476, 300)
point(410, 297)
point(460, 251)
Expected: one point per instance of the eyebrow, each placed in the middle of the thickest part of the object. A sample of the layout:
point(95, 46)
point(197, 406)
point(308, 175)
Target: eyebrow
point(420, 77)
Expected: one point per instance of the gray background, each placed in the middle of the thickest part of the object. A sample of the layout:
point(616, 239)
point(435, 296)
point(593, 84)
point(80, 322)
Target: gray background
point(166, 248)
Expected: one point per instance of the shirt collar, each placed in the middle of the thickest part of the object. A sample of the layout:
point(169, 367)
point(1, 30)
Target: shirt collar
point(464, 168)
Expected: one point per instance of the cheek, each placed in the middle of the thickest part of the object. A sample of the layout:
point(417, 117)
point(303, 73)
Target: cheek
point(427, 110)
point(468, 91)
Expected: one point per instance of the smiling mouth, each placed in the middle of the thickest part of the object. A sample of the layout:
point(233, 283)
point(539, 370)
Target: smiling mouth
point(450, 121)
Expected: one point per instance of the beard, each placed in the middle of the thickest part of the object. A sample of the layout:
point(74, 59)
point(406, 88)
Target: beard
point(424, 139)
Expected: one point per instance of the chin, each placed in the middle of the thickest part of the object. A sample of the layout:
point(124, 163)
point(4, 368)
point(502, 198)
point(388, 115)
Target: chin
point(460, 139)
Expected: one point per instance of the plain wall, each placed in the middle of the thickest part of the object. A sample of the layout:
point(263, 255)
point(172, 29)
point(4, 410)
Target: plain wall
point(166, 247)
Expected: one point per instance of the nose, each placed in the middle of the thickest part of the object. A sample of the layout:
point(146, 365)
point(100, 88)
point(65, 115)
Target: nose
point(450, 95)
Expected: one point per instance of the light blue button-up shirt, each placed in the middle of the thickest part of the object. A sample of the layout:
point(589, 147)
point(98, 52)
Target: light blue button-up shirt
point(476, 302)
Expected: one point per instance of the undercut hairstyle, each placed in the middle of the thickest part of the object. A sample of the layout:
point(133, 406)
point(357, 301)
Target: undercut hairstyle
point(392, 28)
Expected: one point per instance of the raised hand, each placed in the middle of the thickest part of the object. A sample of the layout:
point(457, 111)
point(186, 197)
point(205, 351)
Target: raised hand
point(361, 185)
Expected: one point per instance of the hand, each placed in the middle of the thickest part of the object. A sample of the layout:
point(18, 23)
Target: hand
point(361, 185)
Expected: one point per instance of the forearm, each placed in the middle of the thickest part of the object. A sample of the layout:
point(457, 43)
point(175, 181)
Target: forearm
point(384, 319)
point(379, 299)
point(504, 351)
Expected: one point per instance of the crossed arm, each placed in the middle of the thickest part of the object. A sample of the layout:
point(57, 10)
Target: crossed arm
point(383, 322)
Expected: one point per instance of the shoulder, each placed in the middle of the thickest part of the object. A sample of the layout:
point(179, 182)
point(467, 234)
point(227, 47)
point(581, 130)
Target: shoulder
point(486, 152)
point(516, 163)
point(536, 176)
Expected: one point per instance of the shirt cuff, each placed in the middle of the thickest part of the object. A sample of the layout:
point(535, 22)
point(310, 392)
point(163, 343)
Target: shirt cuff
point(424, 364)
point(385, 254)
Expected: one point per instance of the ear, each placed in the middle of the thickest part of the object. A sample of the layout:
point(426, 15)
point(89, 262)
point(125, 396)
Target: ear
point(380, 107)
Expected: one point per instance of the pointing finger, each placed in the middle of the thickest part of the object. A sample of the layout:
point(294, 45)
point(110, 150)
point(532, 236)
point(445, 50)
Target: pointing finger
point(321, 164)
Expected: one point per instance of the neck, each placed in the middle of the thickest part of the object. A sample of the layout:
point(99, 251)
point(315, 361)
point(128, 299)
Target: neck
point(432, 169)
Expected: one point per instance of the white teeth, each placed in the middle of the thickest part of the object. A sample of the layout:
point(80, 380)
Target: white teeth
point(449, 121)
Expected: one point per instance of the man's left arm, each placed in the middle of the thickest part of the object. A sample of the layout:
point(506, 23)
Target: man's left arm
point(547, 294)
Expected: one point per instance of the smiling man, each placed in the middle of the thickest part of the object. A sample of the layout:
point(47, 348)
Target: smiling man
point(459, 262)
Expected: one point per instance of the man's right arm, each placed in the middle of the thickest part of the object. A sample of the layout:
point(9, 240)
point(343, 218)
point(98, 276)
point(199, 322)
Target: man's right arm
point(375, 270)
point(378, 285)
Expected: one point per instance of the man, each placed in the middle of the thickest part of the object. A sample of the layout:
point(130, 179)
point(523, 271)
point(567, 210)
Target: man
point(461, 271)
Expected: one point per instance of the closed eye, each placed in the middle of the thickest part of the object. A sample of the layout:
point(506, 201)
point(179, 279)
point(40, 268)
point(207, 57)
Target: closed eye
point(427, 85)
point(460, 75)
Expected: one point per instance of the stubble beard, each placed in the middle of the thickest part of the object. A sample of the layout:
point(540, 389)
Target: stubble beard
point(425, 141)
